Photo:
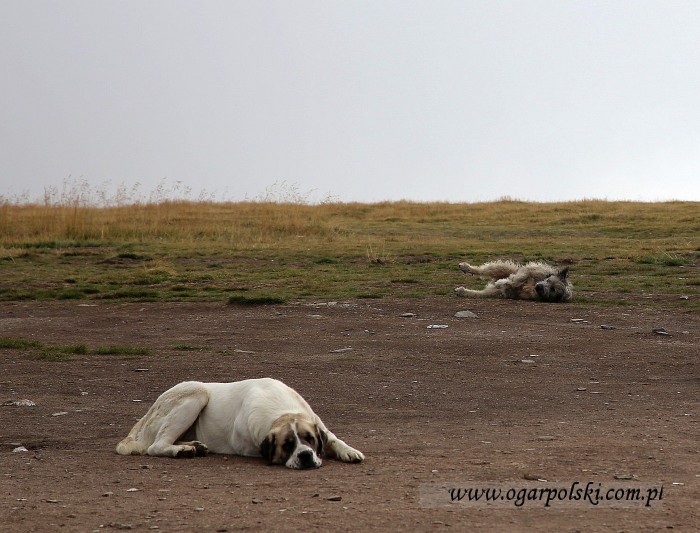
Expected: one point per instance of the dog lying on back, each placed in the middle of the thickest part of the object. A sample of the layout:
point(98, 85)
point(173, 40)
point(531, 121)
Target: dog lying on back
point(532, 281)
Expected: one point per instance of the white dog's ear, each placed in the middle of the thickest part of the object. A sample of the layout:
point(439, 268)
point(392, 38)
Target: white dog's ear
point(267, 448)
point(563, 273)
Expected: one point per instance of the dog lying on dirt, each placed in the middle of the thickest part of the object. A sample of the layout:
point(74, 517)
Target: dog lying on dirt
point(532, 281)
point(255, 417)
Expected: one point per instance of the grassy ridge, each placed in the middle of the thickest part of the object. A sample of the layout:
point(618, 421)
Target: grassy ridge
point(257, 251)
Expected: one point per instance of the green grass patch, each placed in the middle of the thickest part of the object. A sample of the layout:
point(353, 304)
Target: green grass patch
point(121, 350)
point(187, 348)
point(65, 352)
point(262, 299)
point(18, 344)
point(72, 294)
point(138, 295)
point(51, 354)
point(664, 260)
point(134, 256)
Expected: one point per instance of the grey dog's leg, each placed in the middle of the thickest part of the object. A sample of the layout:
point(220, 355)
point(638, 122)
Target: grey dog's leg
point(495, 270)
point(490, 291)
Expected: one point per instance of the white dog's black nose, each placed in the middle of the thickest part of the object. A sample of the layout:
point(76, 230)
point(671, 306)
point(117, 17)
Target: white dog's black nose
point(306, 459)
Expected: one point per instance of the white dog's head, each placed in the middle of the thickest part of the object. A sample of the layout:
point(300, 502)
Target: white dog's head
point(295, 442)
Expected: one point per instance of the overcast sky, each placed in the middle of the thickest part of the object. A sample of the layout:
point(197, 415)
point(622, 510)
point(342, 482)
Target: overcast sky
point(354, 100)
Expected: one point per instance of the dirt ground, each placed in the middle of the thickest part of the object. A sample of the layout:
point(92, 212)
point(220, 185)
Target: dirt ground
point(427, 406)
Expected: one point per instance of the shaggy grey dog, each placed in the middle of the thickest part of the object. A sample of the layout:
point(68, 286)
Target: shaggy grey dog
point(532, 281)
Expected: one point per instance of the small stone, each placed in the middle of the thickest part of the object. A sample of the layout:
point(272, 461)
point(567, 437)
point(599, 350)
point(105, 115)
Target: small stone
point(19, 403)
point(547, 437)
point(465, 314)
point(438, 326)
point(606, 326)
point(199, 509)
point(533, 477)
point(623, 476)
point(60, 413)
point(661, 331)
point(341, 350)
point(256, 500)
point(20, 449)
point(581, 389)
point(407, 315)
point(132, 490)
point(579, 321)
point(334, 498)
point(107, 494)
point(527, 361)
point(140, 369)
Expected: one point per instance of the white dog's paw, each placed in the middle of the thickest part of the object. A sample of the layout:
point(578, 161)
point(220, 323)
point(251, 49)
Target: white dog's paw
point(192, 449)
point(461, 291)
point(350, 455)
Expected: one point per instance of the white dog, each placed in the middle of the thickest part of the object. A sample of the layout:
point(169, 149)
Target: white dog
point(255, 417)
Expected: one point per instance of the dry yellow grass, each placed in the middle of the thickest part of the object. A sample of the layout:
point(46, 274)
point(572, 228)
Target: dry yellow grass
point(252, 222)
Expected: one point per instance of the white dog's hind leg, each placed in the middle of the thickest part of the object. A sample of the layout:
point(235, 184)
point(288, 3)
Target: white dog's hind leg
point(172, 414)
point(174, 425)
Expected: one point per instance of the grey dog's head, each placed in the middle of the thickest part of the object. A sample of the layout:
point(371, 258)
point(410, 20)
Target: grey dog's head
point(555, 287)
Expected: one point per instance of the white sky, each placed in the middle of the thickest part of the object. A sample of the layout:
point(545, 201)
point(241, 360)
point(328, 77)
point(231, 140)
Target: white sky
point(354, 100)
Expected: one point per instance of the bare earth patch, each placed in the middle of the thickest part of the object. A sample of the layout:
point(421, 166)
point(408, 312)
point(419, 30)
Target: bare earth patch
point(425, 405)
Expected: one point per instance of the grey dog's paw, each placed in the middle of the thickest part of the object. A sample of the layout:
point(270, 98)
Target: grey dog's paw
point(467, 268)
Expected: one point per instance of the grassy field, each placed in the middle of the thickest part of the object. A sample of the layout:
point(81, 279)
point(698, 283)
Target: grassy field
point(262, 252)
